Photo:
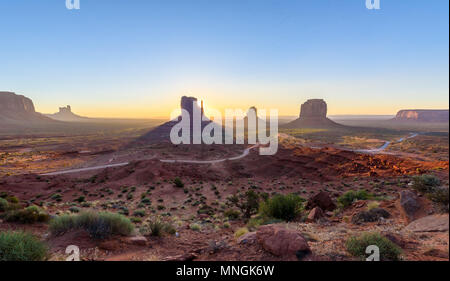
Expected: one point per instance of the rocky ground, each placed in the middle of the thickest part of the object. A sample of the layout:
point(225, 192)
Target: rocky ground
point(204, 231)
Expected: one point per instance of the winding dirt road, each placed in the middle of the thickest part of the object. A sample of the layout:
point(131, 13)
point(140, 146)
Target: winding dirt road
point(244, 154)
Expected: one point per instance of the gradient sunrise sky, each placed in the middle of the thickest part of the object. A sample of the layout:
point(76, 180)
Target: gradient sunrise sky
point(135, 58)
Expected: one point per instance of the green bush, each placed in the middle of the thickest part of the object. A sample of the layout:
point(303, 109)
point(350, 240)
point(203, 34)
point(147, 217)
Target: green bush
point(178, 182)
point(195, 227)
point(158, 228)
point(57, 197)
point(425, 183)
point(74, 209)
point(139, 213)
point(284, 207)
point(440, 195)
point(241, 231)
point(232, 214)
point(98, 225)
point(12, 199)
point(28, 215)
point(356, 246)
point(21, 246)
point(249, 204)
point(80, 199)
point(3, 205)
point(351, 196)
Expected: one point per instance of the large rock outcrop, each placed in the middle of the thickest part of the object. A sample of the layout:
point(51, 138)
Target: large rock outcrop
point(315, 108)
point(18, 110)
point(282, 242)
point(162, 132)
point(422, 115)
point(66, 114)
point(313, 114)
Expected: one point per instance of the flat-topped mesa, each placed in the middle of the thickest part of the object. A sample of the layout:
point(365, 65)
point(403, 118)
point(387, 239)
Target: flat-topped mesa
point(423, 115)
point(316, 108)
point(10, 102)
point(313, 114)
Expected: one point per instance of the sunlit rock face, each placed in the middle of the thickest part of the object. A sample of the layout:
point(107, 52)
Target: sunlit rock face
point(423, 115)
point(18, 110)
point(10, 102)
point(313, 114)
point(314, 108)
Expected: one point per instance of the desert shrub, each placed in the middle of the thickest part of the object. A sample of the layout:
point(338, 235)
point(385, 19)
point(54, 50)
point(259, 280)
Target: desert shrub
point(28, 215)
point(74, 209)
point(357, 246)
point(21, 246)
point(351, 196)
point(284, 207)
point(139, 213)
point(241, 231)
point(249, 204)
point(372, 205)
point(135, 220)
point(232, 214)
point(146, 201)
point(178, 182)
point(440, 195)
point(98, 225)
point(12, 199)
point(157, 227)
point(3, 204)
point(169, 228)
point(56, 197)
point(80, 199)
point(425, 183)
point(195, 226)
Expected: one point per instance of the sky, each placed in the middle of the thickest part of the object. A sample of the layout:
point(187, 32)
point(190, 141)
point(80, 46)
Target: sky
point(136, 58)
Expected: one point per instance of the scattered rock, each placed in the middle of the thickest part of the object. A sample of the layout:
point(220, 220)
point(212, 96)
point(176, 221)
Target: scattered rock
point(247, 238)
point(433, 223)
point(395, 238)
point(315, 215)
point(322, 200)
point(184, 257)
point(372, 215)
point(436, 253)
point(410, 204)
point(137, 240)
point(109, 245)
point(283, 242)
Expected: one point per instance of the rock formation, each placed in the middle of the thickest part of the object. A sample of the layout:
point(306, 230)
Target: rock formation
point(313, 114)
point(18, 110)
point(162, 132)
point(66, 114)
point(423, 115)
point(315, 108)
